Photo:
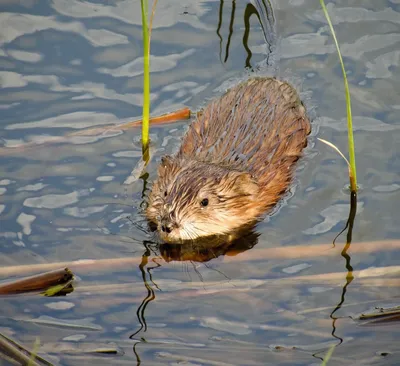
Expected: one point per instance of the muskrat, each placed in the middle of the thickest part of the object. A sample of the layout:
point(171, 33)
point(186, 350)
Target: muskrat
point(234, 164)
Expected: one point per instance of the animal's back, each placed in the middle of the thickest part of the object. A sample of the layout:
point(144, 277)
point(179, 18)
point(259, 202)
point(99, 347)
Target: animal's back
point(259, 126)
point(234, 162)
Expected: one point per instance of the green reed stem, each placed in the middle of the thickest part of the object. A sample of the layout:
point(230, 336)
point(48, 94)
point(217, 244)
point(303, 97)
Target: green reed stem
point(352, 157)
point(146, 81)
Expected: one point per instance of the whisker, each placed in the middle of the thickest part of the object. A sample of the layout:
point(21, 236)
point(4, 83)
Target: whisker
point(220, 272)
point(198, 274)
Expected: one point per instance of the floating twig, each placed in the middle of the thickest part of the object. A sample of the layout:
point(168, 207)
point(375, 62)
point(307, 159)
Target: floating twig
point(15, 351)
point(40, 282)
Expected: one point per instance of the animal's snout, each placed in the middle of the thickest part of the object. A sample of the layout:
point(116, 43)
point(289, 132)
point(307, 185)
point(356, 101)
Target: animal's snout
point(167, 225)
point(167, 221)
point(166, 228)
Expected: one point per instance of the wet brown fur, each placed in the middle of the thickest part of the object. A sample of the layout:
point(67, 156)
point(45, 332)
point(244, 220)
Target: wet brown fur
point(239, 154)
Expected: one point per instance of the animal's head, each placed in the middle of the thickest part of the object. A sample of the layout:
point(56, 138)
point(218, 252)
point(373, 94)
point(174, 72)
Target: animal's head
point(192, 199)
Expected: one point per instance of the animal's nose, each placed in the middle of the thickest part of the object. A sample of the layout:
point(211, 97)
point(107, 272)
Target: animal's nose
point(166, 228)
point(167, 225)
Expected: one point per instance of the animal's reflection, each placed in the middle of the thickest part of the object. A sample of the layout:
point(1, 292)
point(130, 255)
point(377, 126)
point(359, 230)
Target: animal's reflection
point(210, 248)
point(199, 251)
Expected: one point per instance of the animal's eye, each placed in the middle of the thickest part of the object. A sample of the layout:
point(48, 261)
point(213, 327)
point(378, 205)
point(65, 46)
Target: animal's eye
point(204, 202)
point(165, 193)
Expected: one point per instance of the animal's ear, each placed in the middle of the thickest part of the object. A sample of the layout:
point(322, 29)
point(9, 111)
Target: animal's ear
point(168, 165)
point(246, 184)
point(166, 161)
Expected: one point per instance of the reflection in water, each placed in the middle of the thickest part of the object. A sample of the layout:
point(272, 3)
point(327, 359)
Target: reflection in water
point(144, 177)
point(150, 296)
point(221, 6)
point(349, 276)
point(265, 15)
point(205, 250)
point(230, 30)
point(199, 251)
point(249, 11)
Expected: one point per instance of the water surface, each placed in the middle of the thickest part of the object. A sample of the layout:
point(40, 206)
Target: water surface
point(70, 65)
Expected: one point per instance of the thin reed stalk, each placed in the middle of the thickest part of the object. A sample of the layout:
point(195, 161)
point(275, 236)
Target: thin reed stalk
point(146, 81)
point(352, 158)
point(153, 11)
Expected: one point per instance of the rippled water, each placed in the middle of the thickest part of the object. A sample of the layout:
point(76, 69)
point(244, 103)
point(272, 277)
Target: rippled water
point(70, 65)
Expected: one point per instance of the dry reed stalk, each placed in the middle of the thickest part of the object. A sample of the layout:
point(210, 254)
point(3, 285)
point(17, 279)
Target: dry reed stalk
point(329, 308)
point(153, 11)
point(358, 275)
point(289, 252)
point(310, 251)
point(178, 115)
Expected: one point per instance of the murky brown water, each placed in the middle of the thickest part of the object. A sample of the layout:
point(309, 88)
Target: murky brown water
point(280, 296)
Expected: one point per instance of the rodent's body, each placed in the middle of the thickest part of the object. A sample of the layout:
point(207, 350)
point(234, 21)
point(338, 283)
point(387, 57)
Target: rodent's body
point(234, 163)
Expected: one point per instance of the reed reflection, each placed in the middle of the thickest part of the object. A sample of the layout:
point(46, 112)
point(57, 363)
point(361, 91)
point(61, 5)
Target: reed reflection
point(349, 275)
point(263, 10)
